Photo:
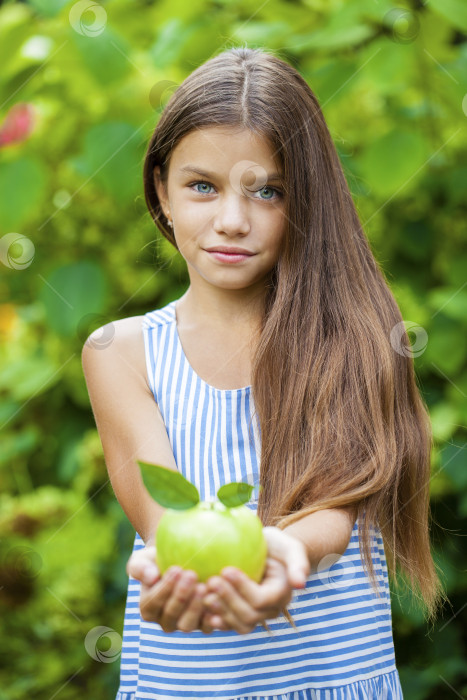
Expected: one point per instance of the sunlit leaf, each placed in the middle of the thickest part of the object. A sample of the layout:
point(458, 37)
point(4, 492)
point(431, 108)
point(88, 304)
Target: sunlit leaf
point(235, 494)
point(168, 487)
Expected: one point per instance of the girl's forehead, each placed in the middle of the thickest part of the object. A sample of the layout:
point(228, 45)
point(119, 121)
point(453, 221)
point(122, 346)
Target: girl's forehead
point(217, 144)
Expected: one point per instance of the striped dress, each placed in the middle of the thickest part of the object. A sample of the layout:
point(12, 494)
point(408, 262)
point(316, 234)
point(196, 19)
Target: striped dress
point(343, 649)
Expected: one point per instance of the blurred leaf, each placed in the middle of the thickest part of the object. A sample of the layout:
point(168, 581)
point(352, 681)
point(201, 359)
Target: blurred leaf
point(14, 30)
point(263, 32)
point(48, 8)
point(341, 29)
point(68, 464)
point(444, 420)
point(416, 685)
point(71, 292)
point(17, 445)
point(331, 38)
point(454, 10)
point(446, 348)
point(452, 302)
point(454, 463)
point(188, 12)
point(173, 35)
point(447, 561)
point(416, 238)
point(105, 53)
point(23, 183)
point(81, 538)
point(28, 376)
point(390, 66)
point(333, 79)
point(455, 181)
point(8, 410)
point(412, 306)
point(462, 507)
point(457, 268)
point(112, 157)
point(392, 162)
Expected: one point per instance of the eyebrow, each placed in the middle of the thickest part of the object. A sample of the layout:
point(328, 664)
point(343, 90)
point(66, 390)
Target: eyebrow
point(275, 177)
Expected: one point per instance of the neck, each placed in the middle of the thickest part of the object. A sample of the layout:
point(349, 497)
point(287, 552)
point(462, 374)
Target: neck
point(226, 310)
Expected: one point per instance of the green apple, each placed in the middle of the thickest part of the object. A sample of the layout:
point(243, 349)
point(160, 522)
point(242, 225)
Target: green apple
point(209, 536)
point(205, 536)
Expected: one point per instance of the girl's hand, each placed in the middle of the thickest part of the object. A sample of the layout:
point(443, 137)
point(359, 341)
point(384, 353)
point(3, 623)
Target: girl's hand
point(243, 604)
point(175, 600)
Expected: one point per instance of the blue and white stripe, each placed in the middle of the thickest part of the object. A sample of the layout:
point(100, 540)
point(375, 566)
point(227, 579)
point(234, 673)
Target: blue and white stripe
point(343, 649)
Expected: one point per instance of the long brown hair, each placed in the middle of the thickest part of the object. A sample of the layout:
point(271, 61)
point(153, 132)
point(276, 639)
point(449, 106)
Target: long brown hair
point(333, 356)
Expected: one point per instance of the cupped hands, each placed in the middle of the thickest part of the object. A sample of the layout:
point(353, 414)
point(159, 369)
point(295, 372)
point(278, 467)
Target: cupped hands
point(231, 601)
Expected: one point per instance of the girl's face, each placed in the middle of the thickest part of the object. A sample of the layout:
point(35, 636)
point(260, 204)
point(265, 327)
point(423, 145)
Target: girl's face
point(224, 189)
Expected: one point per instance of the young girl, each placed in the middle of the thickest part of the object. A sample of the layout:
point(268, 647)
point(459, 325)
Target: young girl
point(283, 364)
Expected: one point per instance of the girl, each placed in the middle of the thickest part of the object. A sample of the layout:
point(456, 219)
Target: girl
point(278, 366)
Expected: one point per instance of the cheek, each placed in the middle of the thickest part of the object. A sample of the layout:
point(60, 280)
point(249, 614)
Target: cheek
point(278, 218)
point(194, 217)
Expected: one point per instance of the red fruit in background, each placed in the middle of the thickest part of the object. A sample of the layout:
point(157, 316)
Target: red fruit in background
point(18, 124)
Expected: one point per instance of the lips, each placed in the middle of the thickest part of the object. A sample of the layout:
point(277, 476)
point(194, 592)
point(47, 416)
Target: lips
point(229, 250)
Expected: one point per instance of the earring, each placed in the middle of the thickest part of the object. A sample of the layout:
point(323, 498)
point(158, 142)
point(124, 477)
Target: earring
point(168, 220)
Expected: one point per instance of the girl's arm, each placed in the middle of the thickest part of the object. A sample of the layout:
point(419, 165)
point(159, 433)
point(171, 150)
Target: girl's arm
point(325, 532)
point(128, 419)
point(131, 427)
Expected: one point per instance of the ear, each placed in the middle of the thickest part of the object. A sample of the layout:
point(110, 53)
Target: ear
point(161, 190)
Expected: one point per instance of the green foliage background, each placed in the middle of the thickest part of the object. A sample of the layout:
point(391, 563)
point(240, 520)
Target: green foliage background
point(392, 82)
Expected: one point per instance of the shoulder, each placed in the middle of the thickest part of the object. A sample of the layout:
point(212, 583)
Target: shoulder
point(119, 344)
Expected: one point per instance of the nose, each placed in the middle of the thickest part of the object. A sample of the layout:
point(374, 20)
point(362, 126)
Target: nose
point(232, 215)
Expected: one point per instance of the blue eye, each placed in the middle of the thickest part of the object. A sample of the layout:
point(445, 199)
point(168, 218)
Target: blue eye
point(203, 183)
point(195, 184)
point(272, 189)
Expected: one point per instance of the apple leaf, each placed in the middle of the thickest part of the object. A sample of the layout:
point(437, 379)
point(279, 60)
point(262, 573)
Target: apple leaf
point(235, 494)
point(168, 487)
